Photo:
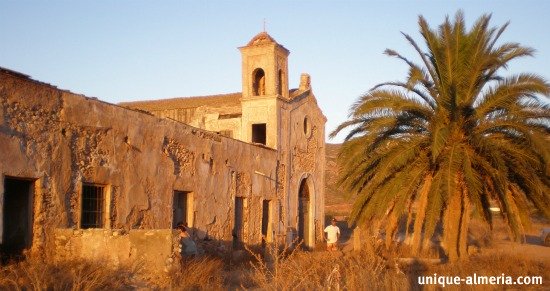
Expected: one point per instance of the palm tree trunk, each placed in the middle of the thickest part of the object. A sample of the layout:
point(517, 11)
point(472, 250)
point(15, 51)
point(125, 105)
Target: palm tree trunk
point(421, 214)
point(464, 224)
point(451, 223)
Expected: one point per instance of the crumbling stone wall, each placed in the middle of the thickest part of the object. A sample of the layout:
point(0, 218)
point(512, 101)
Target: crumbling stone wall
point(61, 140)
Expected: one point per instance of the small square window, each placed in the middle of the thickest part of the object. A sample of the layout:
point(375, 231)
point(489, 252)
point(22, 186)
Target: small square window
point(259, 133)
point(93, 201)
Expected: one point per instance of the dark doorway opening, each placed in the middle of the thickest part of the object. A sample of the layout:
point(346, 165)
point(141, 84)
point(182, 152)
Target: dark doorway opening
point(303, 215)
point(238, 223)
point(266, 216)
point(259, 133)
point(182, 208)
point(17, 218)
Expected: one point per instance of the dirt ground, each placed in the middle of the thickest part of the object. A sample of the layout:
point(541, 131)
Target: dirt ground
point(532, 248)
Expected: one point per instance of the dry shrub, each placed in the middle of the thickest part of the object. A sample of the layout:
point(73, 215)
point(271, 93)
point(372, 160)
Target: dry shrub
point(201, 273)
point(480, 234)
point(299, 270)
point(36, 274)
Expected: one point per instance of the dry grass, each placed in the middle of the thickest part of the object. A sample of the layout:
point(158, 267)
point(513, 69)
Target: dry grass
point(374, 268)
point(35, 274)
point(299, 270)
point(203, 273)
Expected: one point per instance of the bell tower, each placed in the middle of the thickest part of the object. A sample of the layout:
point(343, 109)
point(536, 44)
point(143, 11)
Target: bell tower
point(264, 87)
point(264, 67)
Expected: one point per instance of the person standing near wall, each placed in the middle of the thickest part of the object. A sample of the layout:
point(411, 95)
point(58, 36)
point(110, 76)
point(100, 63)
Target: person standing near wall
point(188, 248)
point(332, 235)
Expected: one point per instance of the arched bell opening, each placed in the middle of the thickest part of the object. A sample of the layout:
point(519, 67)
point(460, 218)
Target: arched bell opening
point(258, 84)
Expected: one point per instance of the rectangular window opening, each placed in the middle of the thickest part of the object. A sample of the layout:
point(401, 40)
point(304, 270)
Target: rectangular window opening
point(182, 208)
point(259, 133)
point(93, 201)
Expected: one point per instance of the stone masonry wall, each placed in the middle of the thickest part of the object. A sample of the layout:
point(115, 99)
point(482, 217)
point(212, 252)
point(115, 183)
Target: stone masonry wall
point(61, 140)
point(153, 249)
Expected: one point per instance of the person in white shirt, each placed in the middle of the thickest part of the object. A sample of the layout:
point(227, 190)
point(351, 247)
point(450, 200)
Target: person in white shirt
point(332, 235)
point(188, 248)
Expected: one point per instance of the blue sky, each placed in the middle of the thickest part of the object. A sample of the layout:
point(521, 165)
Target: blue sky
point(134, 50)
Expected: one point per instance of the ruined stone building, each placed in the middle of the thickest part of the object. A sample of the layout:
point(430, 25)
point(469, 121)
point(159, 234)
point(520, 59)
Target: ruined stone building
point(84, 177)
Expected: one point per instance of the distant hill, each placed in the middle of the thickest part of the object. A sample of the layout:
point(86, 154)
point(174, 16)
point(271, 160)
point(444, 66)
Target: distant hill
point(337, 202)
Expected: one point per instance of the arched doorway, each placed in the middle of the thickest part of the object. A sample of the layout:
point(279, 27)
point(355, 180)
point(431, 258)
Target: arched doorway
point(304, 208)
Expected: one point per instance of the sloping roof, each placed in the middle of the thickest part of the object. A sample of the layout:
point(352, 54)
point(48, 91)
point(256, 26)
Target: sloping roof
point(221, 100)
point(261, 38)
point(216, 101)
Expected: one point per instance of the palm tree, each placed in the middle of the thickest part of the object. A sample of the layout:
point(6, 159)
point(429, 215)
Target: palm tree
point(450, 140)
